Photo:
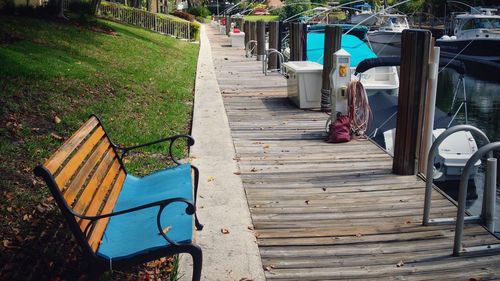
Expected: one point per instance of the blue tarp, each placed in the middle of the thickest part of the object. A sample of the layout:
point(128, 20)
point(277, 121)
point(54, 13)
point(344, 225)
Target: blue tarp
point(357, 48)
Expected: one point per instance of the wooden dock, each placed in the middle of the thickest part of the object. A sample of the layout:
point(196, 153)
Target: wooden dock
point(331, 211)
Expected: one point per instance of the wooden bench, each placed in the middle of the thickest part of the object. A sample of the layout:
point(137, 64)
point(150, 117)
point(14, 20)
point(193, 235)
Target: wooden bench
point(119, 219)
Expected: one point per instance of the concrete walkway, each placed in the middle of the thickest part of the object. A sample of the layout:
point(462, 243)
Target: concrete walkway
point(229, 246)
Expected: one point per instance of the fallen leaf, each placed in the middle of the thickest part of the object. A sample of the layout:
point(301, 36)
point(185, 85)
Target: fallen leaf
point(253, 170)
point(224, 231)
point(210, 179)
point(267, 268)
point(359, 235)
point(266, 146)
point(250, 227)
point(40, 209)
point(166, 230)
point(245, 279)
point(6, 243)
point(400, 263)
point(324, 188)
point(307, 202)
point(57, 120)
point(56, 136)
point(408, 222)
point(237, 173)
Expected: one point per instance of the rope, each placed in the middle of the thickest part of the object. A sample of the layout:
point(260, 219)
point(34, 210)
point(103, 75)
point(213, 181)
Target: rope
point(359, 110)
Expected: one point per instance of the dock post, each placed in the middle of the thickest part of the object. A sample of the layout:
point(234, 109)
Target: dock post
point(415, 46)
point(253, 35)
point(298, 39)
point(273, 44)
point(429, 109)
point(228, 25)
point(489, 194)
point(333, 37)
point(261, 39)
point(246, 30)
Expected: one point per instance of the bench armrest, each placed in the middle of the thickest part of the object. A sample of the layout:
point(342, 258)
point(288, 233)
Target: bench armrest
point(172, 139)
point(190, 210)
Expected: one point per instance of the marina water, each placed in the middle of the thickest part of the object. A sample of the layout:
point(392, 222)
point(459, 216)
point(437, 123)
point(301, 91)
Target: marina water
point(483, 105)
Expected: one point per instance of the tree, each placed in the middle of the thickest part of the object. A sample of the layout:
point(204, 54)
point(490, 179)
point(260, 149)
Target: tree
point(293, 8)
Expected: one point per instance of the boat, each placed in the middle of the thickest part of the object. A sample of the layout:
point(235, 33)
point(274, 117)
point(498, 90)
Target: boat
point(364, 16)
point(475, 41)
point(386, 40)
point(453, 153)
point(383, 78)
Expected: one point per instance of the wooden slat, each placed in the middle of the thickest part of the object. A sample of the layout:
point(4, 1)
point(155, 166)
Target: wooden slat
point(100, 226)
point(69, 169)
point(102, 191)
point(97, 178)
point(78, 181)
point(65, 150)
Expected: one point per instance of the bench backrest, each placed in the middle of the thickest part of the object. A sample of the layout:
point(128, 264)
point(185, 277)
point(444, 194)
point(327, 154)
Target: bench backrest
point(85, 175)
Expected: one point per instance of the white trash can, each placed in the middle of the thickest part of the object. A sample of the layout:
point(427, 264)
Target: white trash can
point(237, 39)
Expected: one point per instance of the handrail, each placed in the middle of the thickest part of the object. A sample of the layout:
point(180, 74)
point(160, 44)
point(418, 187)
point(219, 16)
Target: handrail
point(462, 197)
point(265, 61)
point(429, 172)
point(163, 24)
point(248, 51)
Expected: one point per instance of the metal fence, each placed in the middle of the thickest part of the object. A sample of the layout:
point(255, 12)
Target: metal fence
point(156, 22)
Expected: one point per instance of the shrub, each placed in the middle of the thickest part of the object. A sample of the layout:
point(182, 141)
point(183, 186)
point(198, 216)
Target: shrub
point(200, 11)
point(194, 31)
point(183, 15)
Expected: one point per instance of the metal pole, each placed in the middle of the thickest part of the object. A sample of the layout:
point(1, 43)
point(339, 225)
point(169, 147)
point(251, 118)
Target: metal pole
point(489, 195)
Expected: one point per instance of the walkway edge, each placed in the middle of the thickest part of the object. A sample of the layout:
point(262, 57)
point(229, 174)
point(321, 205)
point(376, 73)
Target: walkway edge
point(229, 245)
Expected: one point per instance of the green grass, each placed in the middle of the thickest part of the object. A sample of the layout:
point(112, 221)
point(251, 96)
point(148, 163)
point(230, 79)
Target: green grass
point(139, 83)
point(263, 17)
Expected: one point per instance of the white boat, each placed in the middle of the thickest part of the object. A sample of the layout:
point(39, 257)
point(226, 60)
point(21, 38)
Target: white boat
point(389, 31)
point(453, 153)
point(364, 16)
point(475, 41)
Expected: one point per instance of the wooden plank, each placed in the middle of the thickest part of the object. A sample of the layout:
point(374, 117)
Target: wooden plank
point(95, 181)
point(103, 190)
point(69, 169)
point(65, 150)
point(98, 230)
point(82, 175)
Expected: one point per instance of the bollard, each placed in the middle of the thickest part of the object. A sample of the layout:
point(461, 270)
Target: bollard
point(261, 40)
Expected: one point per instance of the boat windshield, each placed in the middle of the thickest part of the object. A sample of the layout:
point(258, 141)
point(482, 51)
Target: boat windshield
point(488, 23)
point(395, 21)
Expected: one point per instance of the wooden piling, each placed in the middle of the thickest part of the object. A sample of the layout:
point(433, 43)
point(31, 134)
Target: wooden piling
point(333, 38)
point(298, 39)
point(246, 30)
point(253, 35)
point(415, 46)
point(261, 39)
point(228, 25)
point(273, 44)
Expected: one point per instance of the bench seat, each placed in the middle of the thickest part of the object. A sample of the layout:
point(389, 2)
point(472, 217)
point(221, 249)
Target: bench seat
point(124, 239)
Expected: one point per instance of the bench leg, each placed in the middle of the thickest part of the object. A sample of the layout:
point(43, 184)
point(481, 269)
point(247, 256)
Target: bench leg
point(196, 254)
point(197, 223)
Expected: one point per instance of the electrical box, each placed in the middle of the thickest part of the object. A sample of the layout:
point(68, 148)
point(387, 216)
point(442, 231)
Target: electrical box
point(340, 77)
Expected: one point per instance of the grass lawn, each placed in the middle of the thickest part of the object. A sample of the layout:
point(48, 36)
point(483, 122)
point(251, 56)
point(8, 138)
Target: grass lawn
point(263, 17)
point(139, 83)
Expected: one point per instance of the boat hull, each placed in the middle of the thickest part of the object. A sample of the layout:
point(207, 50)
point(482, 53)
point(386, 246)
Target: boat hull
point(385, 37)
point(477, 47)
point(363, 19)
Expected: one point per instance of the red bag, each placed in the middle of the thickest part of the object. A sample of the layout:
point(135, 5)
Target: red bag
point(340, 130)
